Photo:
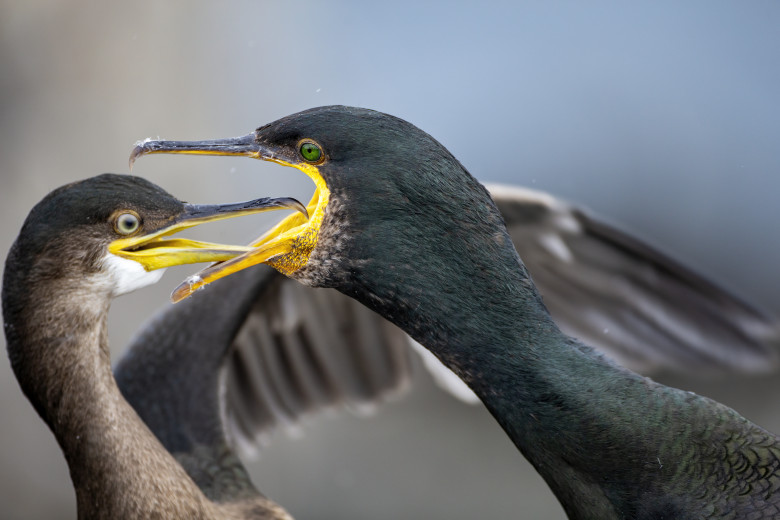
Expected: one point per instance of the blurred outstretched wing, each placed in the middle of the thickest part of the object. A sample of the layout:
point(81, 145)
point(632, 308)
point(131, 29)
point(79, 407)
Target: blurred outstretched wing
point(303, 350)
point(631, 301)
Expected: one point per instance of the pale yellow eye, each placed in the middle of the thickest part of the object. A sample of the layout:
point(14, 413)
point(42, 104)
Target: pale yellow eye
point(127, 223)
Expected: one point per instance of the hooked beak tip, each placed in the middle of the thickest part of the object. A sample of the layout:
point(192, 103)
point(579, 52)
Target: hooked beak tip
point(187, 288)
point(138, 150)
point(296, 205)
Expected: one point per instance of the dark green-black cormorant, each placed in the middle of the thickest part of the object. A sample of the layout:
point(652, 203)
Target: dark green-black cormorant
point(398, 224)
point(80, 247)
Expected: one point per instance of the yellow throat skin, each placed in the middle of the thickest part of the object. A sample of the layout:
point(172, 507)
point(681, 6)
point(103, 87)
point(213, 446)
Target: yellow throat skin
point(286, 247)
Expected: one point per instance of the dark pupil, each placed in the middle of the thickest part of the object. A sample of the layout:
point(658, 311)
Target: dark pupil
point(127, 223)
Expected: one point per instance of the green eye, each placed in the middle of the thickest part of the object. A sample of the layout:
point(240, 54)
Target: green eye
point(127, 223)
point(310, 151)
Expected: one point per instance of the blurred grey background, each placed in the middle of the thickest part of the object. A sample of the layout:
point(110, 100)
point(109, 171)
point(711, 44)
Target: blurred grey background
point(662, 117)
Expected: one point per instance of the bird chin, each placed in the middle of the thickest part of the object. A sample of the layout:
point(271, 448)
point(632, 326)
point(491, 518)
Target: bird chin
point(129, 275)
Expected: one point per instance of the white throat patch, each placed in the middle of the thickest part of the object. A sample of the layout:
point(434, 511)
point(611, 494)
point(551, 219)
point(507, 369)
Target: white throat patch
point(128, 275)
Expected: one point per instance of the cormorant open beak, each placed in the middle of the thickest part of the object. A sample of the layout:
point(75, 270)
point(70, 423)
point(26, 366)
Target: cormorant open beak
point(287, 245)
point(154, 251)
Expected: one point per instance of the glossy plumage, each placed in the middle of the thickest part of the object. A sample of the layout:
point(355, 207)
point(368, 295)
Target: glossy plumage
point(409, 233)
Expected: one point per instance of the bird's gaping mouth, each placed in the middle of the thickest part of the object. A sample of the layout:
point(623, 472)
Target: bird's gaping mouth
point(286, 246)
point(154, 250)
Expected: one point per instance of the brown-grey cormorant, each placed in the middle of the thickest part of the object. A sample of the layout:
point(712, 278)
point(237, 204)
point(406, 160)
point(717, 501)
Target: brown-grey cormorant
point(80, 247)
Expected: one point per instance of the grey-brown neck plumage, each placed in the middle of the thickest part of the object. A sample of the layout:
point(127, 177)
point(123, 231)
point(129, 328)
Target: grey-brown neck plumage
point(610, 443)
point(58, 346)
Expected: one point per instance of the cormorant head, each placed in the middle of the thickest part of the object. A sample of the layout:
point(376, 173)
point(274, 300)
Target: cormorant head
point(387, 195)
point(112, 230)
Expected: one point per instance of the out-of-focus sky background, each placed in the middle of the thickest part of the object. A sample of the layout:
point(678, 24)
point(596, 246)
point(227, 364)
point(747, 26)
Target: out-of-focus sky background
point(662, 117)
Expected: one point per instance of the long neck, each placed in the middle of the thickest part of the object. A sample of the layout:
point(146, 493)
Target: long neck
point(557, 400)
point(57, 343)
point(607, 441)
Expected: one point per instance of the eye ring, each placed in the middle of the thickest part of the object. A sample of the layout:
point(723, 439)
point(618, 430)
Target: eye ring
point(127, 222)
point(310, 151)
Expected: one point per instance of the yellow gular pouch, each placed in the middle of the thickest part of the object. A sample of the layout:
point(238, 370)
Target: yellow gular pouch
point(300, 250)
point(292, 240)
